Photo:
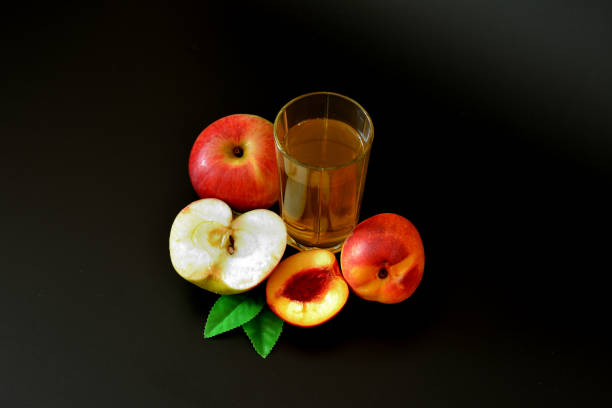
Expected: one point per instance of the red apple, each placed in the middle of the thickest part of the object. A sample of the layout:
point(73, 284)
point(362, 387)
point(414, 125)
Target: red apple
point(383, 258)
point(234, 160)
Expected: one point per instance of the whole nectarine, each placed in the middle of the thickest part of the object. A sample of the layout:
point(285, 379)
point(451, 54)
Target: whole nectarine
point(383, 258)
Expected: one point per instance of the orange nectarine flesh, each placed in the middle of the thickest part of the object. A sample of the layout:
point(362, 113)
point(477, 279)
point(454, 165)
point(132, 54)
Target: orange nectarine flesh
point(307, 289)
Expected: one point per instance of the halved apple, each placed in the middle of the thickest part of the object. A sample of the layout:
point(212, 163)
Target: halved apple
point(222, 255)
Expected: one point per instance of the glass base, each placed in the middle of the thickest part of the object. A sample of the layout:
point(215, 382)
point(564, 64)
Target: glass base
point(292, 242)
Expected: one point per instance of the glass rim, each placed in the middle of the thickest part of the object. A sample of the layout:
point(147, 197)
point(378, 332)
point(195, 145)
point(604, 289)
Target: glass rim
point(281, 148)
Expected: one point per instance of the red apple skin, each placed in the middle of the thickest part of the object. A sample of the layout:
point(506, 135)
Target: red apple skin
point(246, 178)
point(389, 243)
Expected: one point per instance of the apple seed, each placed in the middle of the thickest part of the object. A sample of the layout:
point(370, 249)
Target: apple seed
point(230, 247)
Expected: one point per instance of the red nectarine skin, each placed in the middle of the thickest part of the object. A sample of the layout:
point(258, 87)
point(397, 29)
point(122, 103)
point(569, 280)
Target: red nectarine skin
point(234, 160)
point(383, 259)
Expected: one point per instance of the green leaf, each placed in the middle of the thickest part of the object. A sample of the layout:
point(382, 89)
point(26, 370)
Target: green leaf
point(263, 331)
point(231, 311)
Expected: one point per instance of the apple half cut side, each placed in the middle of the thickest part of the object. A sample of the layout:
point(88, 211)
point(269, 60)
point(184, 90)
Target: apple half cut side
point(224, 255)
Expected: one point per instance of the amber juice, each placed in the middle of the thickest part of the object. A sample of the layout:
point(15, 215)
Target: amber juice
point(322, 181)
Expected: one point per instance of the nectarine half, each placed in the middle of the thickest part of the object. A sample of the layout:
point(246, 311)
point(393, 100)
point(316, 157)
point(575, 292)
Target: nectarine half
point(307, 289)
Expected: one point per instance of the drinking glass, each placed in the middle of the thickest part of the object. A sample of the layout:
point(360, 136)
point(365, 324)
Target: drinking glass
point(323, 142)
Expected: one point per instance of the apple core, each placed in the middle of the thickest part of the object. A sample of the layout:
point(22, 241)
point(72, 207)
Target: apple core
point(209, 233)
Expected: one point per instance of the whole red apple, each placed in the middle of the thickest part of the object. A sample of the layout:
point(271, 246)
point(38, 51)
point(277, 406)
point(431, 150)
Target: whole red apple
point(383, 258)
point(234, 160)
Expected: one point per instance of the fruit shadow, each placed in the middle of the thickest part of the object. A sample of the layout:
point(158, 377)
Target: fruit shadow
point(362, 321)
point(359, 322)
point(201, 302)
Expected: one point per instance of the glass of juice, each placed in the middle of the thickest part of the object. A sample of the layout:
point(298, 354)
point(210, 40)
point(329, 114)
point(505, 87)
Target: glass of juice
point(323, 142)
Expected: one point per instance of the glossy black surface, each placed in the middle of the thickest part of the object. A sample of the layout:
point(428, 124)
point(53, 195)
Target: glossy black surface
point(493, 134)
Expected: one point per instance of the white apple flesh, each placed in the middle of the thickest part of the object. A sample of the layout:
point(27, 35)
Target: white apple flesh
point(224, 255)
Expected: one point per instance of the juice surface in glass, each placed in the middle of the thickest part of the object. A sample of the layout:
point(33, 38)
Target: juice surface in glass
point(320, 202)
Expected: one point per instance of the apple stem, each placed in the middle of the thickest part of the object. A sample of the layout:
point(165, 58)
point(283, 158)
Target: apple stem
point(230, 248)
point(238, 151)
point(383, 273)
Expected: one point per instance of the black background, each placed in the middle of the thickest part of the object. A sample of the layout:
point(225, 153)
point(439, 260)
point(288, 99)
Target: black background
point(493, 134)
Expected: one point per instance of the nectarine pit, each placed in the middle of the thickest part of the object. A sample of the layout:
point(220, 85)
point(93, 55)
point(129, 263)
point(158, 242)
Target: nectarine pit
point(307, 285)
